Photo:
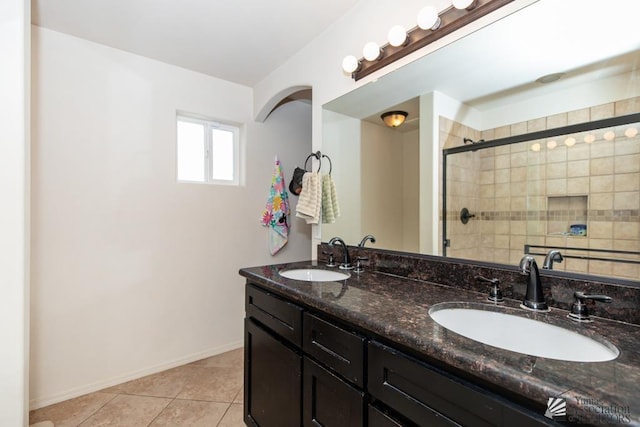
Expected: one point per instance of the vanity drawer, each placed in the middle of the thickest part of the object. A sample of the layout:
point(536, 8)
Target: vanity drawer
point(423, 395)
point(339, 350)
point(282, 317)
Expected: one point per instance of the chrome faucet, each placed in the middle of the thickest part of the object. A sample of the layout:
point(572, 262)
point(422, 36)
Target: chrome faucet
point(346, 260)
point(534, 298)
point(364, 240)
point(553, 255)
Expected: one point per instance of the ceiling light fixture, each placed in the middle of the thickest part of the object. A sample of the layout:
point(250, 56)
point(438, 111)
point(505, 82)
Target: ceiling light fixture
point(431, 27)
point(570, 141)
point(464, 4)
point(550, 78)
point(371, 51)
point(397, 36)
point(393, 119)
point(350, 64)
point(428, 18)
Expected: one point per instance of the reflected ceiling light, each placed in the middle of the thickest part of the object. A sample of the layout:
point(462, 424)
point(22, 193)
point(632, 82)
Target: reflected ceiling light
point(552, 144)
point(570, 142)
point(350, 64)
point(631, 132)
point(464, 4)
point(402, 42)
point(393, 119)
point(397, 36)
point(535, 147)
point(428, 18)
point(589, 138)
point(610, 135)
point(371, 51)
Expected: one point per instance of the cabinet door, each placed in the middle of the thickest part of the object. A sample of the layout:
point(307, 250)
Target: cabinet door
point(272, 380)
point(328, 401)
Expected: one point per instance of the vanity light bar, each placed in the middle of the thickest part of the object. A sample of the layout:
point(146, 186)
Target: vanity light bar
point(450, 20)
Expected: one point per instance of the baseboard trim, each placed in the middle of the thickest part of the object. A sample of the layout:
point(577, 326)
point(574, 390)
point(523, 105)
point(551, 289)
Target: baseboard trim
point(97, 386)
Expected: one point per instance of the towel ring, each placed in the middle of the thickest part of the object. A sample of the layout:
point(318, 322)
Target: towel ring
point(317, 156)
point(330, 164)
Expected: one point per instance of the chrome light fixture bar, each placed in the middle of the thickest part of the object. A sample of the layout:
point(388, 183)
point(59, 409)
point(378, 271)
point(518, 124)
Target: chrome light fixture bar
point(447, 22)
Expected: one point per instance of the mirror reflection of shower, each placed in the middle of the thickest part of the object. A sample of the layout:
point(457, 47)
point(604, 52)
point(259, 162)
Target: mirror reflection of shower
point(573, 189)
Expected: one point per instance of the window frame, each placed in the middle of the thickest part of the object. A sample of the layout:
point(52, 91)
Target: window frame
point(209, 126)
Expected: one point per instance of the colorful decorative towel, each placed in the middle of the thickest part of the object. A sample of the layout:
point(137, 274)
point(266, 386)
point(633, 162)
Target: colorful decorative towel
point(330, 206)
point(310, 199)
point(275, 213)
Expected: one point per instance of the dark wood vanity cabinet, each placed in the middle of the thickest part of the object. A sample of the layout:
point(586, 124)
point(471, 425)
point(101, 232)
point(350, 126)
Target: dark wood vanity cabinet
point(297, 366)
point(302, 369)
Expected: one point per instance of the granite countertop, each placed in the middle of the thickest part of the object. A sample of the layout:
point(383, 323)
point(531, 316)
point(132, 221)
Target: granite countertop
point(396, 308)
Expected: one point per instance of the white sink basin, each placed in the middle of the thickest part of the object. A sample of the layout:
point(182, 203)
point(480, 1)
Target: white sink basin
point(520, 334)
point(314, 275)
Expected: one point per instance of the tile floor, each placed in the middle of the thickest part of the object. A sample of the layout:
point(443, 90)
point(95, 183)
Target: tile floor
point(205, 393)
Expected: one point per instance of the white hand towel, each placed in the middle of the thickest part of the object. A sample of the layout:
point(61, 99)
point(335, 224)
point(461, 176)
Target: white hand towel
point(310, 199)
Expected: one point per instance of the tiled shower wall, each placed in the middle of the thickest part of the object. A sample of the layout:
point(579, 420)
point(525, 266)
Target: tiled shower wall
point(521, 196)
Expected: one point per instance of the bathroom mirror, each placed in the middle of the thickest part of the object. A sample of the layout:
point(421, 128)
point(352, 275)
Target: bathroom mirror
point(483, 86)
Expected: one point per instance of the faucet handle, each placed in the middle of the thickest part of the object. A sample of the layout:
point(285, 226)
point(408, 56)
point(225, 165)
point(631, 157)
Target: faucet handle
point(331, 262)
point(495, 293)
point(579, 311)
point(359, 268)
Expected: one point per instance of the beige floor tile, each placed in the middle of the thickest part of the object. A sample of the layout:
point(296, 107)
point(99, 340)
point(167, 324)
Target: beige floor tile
point(163, 384)
point(233, 417)
point(128, 411)
point(212, 384)
point(191, 413)
point(230, 359)
point(240, 396)
point(71, 412)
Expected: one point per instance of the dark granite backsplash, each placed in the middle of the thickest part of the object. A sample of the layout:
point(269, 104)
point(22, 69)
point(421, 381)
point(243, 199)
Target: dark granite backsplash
point(461, 273)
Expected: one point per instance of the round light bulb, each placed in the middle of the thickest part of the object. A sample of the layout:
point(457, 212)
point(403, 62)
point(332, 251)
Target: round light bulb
point(589, 138)
point(570, 142)
point(535, 147)
point(631, 132)
point(462, 4)
point(397, 35)
point(350, 64)
point(610, 135)
point(552, 144)
point(371, 51)
point(428, 18)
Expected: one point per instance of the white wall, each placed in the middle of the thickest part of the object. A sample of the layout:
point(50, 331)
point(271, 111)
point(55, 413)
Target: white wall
point(14, 228)
point(132, 272)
